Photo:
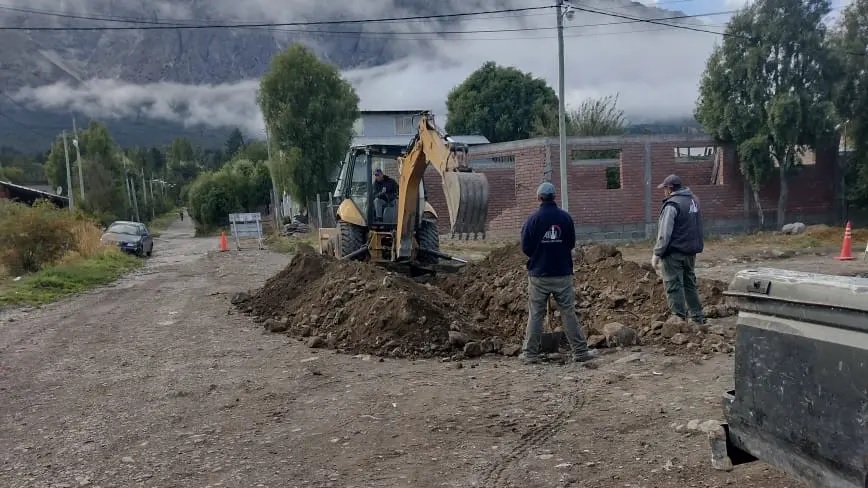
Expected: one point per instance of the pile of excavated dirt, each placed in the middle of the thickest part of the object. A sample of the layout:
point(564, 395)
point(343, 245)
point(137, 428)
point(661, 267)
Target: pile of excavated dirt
point(361, 308)
point(612, 295)
point(365, 309)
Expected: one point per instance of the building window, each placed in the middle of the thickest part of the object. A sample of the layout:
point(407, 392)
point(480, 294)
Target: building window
point(404, 125)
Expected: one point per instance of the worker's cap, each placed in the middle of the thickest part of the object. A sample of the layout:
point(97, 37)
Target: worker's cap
point(378, 172)
point(671, 181)
point(546, 189)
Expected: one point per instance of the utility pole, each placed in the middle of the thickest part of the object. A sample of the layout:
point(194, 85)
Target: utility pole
point(135, 200)
point(68, 174)
point(562, 111)
point(153, 200)
point(127, 186)
point(144, 187)
point(78, 159)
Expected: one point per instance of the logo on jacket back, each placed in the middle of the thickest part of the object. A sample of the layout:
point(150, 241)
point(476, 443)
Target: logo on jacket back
point(694, 207)
point(552, 235)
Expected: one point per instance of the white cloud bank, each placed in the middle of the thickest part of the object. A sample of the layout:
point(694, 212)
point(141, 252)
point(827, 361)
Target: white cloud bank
point(655, 69)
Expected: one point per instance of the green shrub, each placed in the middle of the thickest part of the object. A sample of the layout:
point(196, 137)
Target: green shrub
point(240, 186)
point(33, 237)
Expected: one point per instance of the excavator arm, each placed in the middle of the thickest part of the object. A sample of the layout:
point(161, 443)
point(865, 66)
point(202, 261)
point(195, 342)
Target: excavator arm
point(466, 191)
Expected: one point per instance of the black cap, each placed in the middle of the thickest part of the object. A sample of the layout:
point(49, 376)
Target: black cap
point(671, 181)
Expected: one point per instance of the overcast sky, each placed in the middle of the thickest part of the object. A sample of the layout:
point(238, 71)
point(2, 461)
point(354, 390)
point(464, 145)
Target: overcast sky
point(654, 69)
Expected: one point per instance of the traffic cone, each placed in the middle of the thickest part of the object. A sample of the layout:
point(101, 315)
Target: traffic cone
point(223, 245)
point(846, 246)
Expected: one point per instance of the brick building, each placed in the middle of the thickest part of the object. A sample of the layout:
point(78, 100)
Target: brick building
point(613, 184)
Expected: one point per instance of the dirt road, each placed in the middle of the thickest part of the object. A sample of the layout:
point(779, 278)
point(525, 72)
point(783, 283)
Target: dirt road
point(157, 382)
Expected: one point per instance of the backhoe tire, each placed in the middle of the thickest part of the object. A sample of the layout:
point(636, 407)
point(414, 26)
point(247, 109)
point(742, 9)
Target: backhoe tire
point(429, 238)
point(352, 239)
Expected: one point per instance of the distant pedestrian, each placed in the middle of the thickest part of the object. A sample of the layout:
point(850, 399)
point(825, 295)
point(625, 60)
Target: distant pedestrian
point(547, 239)
point(181, 213)
point(679, 240)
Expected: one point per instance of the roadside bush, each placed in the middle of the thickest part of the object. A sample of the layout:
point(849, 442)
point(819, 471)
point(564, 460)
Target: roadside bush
point(32, 238)
point(240, 186)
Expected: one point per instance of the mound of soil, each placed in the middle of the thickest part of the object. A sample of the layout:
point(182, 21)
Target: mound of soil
point(363, 308)
point(359, 308)
point(608, 290)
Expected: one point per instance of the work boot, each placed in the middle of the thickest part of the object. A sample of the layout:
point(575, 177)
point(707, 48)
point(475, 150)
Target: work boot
point(524, 358)
point(586, 356)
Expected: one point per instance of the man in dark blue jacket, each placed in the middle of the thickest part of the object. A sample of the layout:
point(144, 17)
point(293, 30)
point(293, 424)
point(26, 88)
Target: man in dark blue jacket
point(679, 240)
point(547, 239)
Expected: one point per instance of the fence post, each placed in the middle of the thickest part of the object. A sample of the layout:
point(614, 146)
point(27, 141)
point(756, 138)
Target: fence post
point(318, 212)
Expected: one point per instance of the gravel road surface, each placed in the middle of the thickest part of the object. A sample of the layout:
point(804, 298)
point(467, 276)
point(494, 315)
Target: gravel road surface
point(157, 382)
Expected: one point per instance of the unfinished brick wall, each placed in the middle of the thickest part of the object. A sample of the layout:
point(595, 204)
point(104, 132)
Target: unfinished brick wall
point(628, 208)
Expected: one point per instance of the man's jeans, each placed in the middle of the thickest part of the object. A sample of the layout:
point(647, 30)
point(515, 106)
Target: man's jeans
point(538, 291)
point(680, 281)
point(380, 206)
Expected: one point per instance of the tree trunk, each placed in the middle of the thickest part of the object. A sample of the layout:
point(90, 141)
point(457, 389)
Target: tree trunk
point(782, 197)
point(759, 207)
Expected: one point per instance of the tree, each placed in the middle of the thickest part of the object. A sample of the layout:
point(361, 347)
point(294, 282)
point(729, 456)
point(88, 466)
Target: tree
point(103, 173)
point(308, 109)
point(12, 174)
point(55, 165)
point(102, 169)
point(501, 103)
point(254, 151)
point(594, 117)
point(240, 186)
point(849, 44)
point(234, 143)
point(767, 86)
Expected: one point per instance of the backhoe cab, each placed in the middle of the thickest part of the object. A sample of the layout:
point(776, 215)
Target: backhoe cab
point(408, 232)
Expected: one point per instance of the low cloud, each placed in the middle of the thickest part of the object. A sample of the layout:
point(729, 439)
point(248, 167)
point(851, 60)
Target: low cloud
point(655, 69)
point(224, 105)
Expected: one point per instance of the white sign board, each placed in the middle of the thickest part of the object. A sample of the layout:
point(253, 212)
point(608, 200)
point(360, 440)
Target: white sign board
point(246, 226)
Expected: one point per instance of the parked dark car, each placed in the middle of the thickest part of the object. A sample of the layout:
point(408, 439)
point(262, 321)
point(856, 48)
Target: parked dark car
point(130, 237)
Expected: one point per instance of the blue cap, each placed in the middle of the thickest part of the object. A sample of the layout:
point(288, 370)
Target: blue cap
point(545, 189)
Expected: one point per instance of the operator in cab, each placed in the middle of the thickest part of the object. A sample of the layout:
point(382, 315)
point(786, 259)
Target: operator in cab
point(547, 239)
point(385, 193)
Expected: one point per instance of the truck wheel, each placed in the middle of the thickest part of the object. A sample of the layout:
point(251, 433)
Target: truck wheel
point(429, 238)
point(352, 239)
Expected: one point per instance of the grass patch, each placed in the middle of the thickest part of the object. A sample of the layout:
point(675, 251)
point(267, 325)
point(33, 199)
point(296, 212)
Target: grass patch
point(289, 245)
point(76, 276)
point(162, 222)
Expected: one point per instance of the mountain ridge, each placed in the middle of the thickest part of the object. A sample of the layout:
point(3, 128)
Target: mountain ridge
point(193, 57)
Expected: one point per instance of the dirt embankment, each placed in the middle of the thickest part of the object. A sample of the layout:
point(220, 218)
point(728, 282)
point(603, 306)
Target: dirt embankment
point(364, 309)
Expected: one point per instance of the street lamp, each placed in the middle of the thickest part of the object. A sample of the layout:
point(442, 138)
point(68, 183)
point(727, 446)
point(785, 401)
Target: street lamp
point(565, 11)
point(78, 163)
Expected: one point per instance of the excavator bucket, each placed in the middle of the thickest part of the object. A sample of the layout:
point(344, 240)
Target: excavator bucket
point(467, 199)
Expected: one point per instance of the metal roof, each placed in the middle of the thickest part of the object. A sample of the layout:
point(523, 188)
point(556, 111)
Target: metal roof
point(31, 190)
point(404, 140)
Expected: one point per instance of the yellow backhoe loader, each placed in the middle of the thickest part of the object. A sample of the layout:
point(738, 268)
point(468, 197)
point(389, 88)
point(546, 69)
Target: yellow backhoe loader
point(407, 234)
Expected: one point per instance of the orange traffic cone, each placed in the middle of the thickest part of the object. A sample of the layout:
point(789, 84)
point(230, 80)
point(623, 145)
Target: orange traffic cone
point(223, 245)
point(846, 251)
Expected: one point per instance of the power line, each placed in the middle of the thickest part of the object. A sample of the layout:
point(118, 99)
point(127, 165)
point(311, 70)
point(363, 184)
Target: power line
point(382, 34)
point(696, 29)
point(274, 24)
point(185, 22)
point(649, 21)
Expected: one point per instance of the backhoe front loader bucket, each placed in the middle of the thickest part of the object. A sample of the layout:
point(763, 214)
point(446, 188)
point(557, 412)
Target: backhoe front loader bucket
point(467, 199)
